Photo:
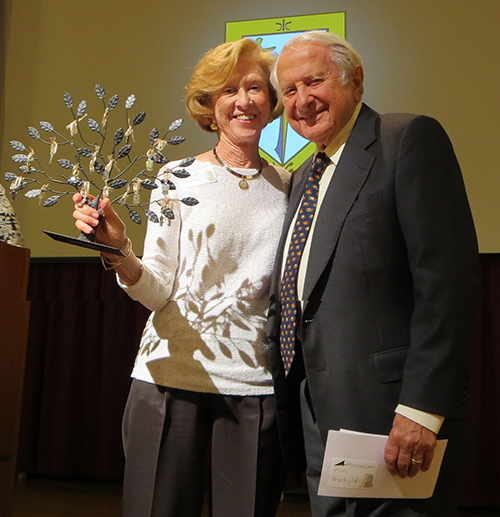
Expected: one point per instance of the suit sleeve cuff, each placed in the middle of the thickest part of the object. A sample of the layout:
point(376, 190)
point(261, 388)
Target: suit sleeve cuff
point(428, 420)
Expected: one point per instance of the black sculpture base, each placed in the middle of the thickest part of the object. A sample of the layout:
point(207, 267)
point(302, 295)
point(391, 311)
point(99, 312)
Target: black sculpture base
point(84, 242)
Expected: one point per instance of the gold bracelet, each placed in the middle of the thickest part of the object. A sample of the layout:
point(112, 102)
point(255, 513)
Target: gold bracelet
point(108, 265)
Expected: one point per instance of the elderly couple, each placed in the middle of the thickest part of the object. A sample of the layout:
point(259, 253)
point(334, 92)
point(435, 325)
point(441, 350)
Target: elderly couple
point(368, 258)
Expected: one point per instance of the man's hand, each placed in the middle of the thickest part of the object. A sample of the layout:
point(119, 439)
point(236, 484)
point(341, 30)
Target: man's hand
point(409, 441)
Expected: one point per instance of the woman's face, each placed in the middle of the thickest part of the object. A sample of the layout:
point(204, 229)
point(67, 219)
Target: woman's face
point(242, 108)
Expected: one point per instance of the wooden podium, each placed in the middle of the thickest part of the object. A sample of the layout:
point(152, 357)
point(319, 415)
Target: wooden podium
point(14, 322)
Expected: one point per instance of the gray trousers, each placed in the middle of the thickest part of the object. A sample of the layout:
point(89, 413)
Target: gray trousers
point(166, 435)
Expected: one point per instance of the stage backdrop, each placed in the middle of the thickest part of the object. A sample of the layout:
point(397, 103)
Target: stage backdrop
point(437, 58)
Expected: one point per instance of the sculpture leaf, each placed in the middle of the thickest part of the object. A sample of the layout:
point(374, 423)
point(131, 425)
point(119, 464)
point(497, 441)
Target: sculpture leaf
point(176, 140)
point(130, 101)
point(51, 201)
point(19, 158)
point(33, 193)
point(75, 182)
point(190, 201)
point(176, 124)
point(82, 108)
point(168, 212)
point(99, 90)
point(117, 184)
point(136, 218)
point(139, 118)
point(18, 146)
point(181, 173)
point(68, 100)
point(83, 151)
point(153, 136)
point(34, 133)
point(118, 136)
point(186, 162)
point(46, 126)
point(152, 216)
point(93, 125)
point(113, 102)
point(65, 164)
point(124, 151)
point(148, 184)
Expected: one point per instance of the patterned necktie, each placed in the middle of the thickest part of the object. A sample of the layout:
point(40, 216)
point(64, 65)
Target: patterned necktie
point(288, 292)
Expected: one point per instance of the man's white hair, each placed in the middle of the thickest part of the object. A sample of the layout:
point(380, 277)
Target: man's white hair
point(344, 56)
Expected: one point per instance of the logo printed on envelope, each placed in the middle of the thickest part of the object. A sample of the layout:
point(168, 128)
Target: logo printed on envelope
point(346, 473)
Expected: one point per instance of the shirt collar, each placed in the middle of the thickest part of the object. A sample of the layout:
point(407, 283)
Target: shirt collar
point(339, 141)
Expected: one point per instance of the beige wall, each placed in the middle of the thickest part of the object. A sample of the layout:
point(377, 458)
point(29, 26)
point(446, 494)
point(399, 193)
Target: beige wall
point(438, 57)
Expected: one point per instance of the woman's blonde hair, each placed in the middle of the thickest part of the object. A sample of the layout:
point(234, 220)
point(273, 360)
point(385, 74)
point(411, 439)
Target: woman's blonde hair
point(214, 70)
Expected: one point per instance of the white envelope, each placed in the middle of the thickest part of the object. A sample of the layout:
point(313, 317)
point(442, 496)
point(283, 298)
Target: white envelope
point(354, 466)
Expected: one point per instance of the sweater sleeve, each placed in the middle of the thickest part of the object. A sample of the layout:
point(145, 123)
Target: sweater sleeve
point(160, 259)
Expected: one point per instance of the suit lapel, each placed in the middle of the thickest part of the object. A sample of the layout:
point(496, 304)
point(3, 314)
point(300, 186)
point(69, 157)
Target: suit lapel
point(350, 175)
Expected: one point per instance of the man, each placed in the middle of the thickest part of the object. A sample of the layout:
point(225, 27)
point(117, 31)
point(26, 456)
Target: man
point(386, 284)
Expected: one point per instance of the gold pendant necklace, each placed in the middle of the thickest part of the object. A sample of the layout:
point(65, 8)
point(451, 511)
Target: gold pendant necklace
point(243, 178)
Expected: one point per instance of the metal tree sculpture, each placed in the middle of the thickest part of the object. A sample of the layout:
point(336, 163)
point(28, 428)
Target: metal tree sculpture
point(98, 167)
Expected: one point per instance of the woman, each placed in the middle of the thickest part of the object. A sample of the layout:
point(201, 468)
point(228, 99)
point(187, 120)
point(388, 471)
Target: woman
point(201, 377)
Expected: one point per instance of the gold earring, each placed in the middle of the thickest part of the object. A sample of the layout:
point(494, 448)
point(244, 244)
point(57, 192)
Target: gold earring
point(214, 126)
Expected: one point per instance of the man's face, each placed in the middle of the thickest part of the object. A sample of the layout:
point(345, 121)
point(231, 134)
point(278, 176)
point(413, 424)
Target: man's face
point(242, 107)
point(317, 104)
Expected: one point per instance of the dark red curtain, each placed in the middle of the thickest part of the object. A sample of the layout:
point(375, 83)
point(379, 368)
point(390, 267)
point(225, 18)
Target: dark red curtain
point(481, 474)
point(84, 334)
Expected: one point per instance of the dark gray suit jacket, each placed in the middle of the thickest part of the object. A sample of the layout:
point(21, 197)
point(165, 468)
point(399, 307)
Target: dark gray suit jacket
point(391, 285)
